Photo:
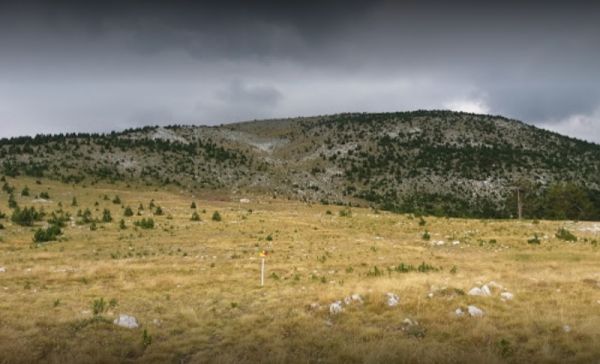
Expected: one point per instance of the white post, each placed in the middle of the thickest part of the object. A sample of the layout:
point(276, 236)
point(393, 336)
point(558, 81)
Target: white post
point(262, 272)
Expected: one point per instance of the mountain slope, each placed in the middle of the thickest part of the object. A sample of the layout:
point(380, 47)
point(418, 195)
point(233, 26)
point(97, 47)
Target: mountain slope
point(436, 162)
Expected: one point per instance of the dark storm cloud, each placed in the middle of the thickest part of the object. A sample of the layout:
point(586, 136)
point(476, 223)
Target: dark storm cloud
point(115, 64)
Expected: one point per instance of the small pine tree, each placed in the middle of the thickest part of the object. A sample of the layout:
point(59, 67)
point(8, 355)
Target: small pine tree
point(25, 191)
point(106, 216)
point(193, 205)
point(116, 200)
point(12, 203)
point(128, 212)
point(74, 202)
point(158, 211)
point(195, 216)
point(122, 225)
point(216, 216)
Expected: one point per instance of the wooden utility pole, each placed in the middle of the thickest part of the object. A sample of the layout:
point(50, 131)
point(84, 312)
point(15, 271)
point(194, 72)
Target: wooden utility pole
point(519, 204)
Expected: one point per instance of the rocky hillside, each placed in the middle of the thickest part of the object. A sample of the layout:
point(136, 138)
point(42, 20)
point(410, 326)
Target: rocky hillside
point(436, 162)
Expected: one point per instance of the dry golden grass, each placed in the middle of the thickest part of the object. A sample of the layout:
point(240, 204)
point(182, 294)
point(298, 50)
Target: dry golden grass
point(194, 286)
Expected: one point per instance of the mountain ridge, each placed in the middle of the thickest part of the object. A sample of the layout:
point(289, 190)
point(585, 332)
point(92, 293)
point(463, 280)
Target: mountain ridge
point(434, 162)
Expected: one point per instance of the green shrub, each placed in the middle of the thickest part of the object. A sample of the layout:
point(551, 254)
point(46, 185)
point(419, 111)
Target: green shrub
point(345, 212)
point(99, 306)
point(195, 216)
point(145, 223)
point(49, 234)
point(26, 216)
point(12, 203)
point(426, 235)
point(106, 216)
point(193, 206)
point(59, 219)
point(116, 200)
point(159, 211)
point(45, 195)
point(85, 217)
point(146, 339)
point(374, 272)
point(535, 240)
point(216, 216)
point(74, 202)
point(128, 212)
point(566, 235)
point(25, 191)
point(122, 225)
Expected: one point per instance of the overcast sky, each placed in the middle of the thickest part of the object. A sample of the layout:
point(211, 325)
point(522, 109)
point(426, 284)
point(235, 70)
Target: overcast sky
point(76, 66)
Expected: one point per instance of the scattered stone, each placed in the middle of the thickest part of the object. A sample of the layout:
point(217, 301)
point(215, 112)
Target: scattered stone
point(336, 308)
point(483, 291)
point(506, 296)
point(486, 290)
point(2, 270)
point(408, 322)
point(244, 200)
point(392, 299)
point(567, 328)
point(474, 311)
point(315, 306)
point(127, 321)
point(430, 295)
point(439, 242)
point(459, 312)
point(475, 291)
point(156, 322)
point(455, 242)
point(357, 298)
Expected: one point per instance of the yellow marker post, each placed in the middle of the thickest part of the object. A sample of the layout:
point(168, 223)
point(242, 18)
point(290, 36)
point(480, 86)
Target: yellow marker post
point(263, 254)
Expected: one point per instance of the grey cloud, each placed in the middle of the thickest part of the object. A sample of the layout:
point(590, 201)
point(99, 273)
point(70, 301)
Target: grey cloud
point(114, 64)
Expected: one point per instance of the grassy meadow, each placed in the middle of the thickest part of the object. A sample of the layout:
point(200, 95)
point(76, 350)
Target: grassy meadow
point(194, 286)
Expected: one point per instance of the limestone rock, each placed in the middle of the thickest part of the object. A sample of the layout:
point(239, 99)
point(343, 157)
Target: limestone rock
point(336, 308)
point(474, 311)
point(392, 299)
point(126, 321)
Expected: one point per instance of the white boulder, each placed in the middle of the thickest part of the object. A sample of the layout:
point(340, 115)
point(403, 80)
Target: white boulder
point(392, 299)
point(483, 291)
point(506, 296)
point(2, 270)
point(474, 311)
point(357, 298)
point(475, 291)
point(336, 308)
point(486, 290)
point(459, 312)
point(126, 321)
